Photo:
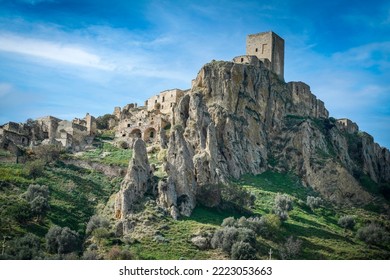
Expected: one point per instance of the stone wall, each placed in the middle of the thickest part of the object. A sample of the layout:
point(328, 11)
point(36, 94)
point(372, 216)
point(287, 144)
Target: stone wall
point(267, 45)
point(167, 100)
point(347, 125)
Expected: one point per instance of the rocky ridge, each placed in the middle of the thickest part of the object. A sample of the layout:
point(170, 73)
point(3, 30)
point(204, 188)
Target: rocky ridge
point(241, 118)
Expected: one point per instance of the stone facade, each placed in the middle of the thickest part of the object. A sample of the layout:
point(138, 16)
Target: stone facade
point(347, 125)
point(138, 122)
point(267, 45)
point(164, 101)
point(15, 132)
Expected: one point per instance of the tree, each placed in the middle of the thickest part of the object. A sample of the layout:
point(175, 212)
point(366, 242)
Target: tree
point(35, 168)
point(347, 222)
point(243, 251)
point(282, 204)
point(291, 248)
point(313, 202)
point(372, 234)
point(62, 240)
point(27, 247)
point(96, 222)
point(38, 198)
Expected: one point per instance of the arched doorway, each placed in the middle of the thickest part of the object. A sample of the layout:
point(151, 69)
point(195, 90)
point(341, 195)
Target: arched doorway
point(136, 133)
point(150, 135)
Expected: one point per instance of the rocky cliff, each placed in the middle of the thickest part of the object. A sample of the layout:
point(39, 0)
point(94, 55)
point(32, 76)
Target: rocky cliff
point(240, 118)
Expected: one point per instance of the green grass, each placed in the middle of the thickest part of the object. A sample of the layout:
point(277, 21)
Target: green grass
point(74, 196)
point(322, 237)
point(108, 154)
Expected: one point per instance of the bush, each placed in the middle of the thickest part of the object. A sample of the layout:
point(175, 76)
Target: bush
point(291, 248)
point(228, 222)
point(62, 240)
point(243, 251)
point(230, 235)
point(283, 204)
point(224, 238)
point(27, 247)
point(313, 202)
point(91, 255)
point(35, 168)
point(38, 198)
point(117, 253)
point(347, 222)
point(237, 195)
point(269, 224)
point(372, 234)
point(96, 222)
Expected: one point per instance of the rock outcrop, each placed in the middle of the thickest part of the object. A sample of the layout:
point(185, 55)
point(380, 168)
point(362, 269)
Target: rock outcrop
point(241, 118)
point(136, 182)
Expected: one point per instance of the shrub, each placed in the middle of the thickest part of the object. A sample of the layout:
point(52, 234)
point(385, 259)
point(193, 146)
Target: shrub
point(96, 222)
point(27, 247)
point(269, 224)
point(291, 248)
point(372, 234)
point(313, 202)
point(35, 168)
point(237, 195)
point(347, 222)
point(282, 204)
point(216, 240)
point(243, 251)
point(117, 253)
point(228, 222)
point(162, 155)
point(38, 198)
point(230, 235)
point(62, 240)
point(91, 255)
point(247, 235)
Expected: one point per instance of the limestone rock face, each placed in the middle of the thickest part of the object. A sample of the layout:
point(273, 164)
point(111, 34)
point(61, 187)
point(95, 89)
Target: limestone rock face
point(136, 182)
point(241, 118)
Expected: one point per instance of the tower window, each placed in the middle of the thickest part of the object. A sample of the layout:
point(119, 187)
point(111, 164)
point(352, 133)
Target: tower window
point(242, 59)
point(256, 50)
point(163, 98)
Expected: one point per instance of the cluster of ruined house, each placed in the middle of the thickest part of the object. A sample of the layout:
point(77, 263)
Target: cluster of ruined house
point(75, 134)
point(264, 49)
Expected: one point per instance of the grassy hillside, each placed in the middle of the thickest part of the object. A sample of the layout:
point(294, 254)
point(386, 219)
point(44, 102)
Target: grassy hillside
point(76, 194)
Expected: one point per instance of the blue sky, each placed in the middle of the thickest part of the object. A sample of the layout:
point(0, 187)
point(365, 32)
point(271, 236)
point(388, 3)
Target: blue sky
point(69, 57)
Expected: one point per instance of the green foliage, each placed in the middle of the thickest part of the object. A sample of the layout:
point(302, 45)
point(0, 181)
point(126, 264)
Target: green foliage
point(347, 222)
point(62, 240)
point(237, 195)
point(291, 248)
point(108, 154)
point(372, 234)
point(38, 198)
point(102, 122)
point(35, 168)
point(117, 253)
point(282, 205)
point(243, 251)
point(27, 247)
point(97, 222)
point(313, 202)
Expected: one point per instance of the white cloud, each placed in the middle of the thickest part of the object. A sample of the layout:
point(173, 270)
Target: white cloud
point(5, 89)
point(54, 51)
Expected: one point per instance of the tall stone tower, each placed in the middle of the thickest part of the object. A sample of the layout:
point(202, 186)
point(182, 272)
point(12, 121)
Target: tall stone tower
point(267, 45)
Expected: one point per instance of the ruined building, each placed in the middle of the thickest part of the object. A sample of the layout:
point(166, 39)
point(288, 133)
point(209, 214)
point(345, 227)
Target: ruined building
point(266, 47)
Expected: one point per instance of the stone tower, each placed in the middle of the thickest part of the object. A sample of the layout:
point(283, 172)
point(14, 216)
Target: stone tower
point(267, 45)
